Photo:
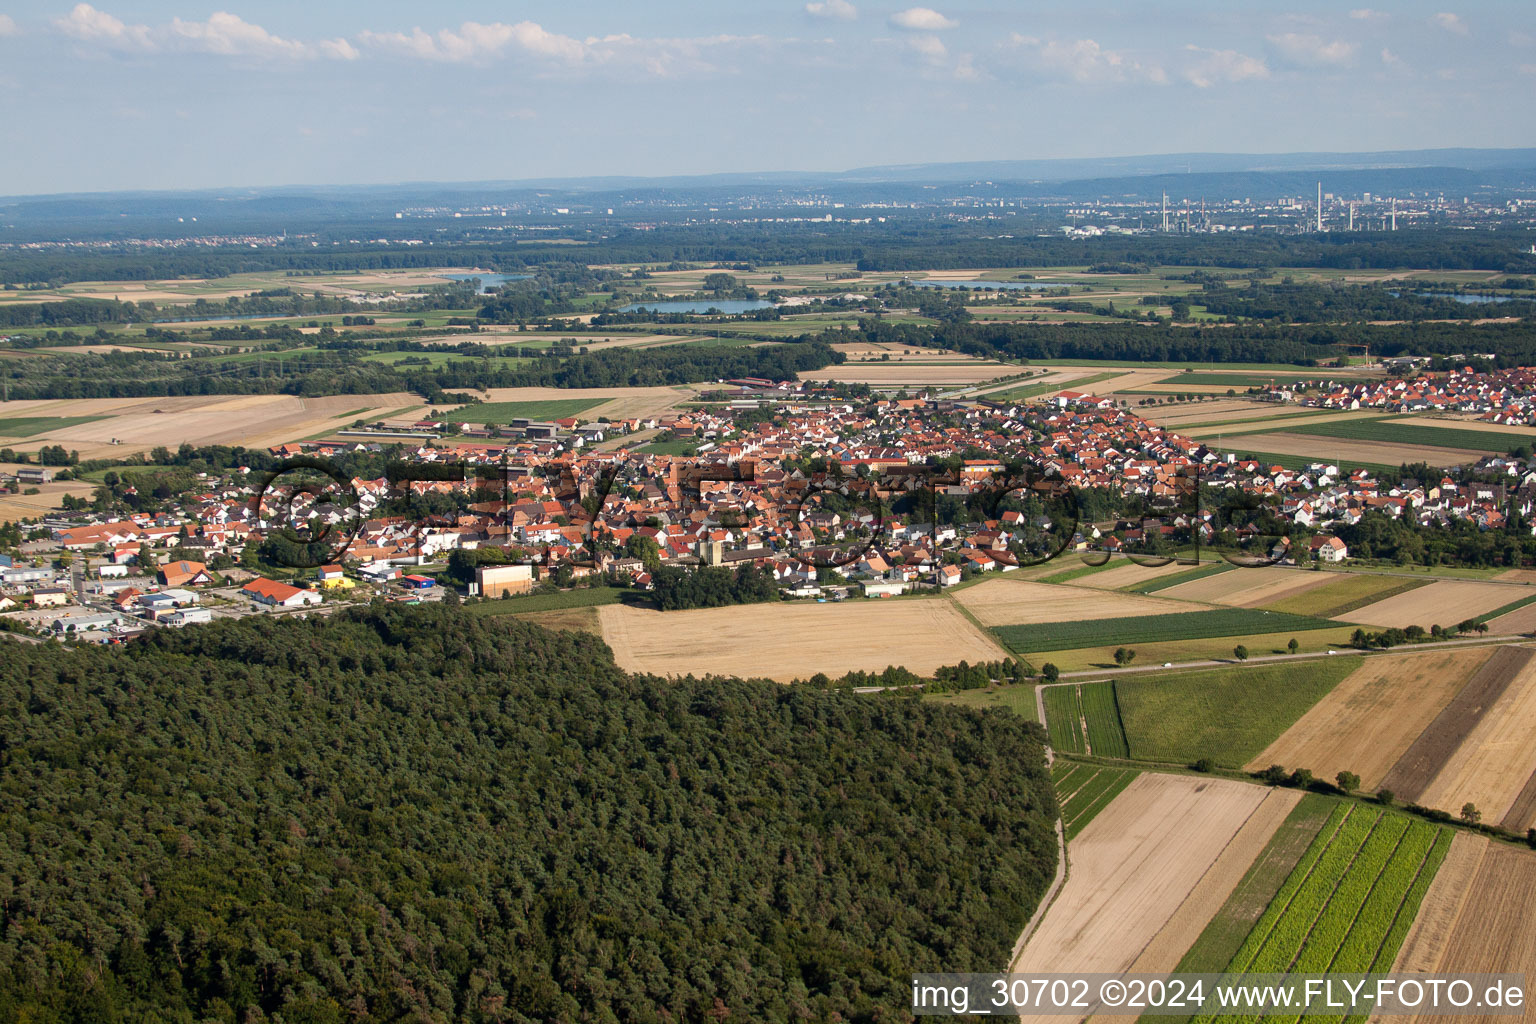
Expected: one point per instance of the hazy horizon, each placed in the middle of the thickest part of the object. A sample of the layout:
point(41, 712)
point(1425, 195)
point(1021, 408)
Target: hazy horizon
point(175, 94)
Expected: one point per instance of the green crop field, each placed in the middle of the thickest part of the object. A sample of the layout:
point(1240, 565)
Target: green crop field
point(1063, 719)
point(31, 426)
point(1347, 905)
point(1394, 431)
point(504, 412)
point(1084, 790)
point(584, 597)
point(1144, 629)
point(1226, 714)
point(1355, 590)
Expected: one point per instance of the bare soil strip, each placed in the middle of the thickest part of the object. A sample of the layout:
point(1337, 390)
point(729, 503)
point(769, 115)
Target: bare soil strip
point(1422, 761)
point(1442, 904)
point(1522, 813)
point(1133, 867)
point(1491, 766)
point(1389, 700)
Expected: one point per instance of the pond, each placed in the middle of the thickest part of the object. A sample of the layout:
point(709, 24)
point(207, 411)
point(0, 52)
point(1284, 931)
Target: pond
point(489, 281)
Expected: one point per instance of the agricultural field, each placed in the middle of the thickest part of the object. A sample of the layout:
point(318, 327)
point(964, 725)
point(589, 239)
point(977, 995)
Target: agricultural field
point(952, 369)
point(1123, 574)
point(1214, 947)
point(1348, 904)
point(31, 426)
point(140, 424)
point(1394, 431)
point(1392, 698)
point(1155, 581)
point(1018, 698)
point(1493, 764)
point(1055, 634)
point(1343, 593)
point(796, 640)
point(16, 507)
point(1009, 602)
point(1478, 916)
point(1133, 867)
point(1445, 602)
point(1083, 790)
point(1217, 650)
point(1084, 718)
point(1225, 714)
point(1248, 587)
point(505, 412)
point(1347, 454)
point(614, 403)
point(1434, 750)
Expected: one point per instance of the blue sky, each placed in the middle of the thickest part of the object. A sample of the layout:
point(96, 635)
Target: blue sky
point(181, 94)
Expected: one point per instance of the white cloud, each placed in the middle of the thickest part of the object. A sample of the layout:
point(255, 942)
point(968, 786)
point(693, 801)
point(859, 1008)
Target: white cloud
point(1368, 14)
point(1450, 22)
point(1390, 59)
point(223, 34)
point(88, 24)
point(230, 35)
point(841, 10)
point(1528, 69)
point(7, 25)
point(1215, 67)
point(921, 19)
point(1312, 51)
point(472, 42)
point(1085, 61)
point(930, 48)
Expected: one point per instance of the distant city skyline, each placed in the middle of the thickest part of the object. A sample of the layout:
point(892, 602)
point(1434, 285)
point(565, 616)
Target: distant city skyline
point(167, 94)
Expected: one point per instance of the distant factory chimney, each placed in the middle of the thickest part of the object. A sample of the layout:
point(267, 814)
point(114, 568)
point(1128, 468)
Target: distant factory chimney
point(1165, 211)
point(1394, 213)
point(1351, 216)
point(1319, 206)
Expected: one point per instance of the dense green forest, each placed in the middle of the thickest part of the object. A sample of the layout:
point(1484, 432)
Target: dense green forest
point(415, 814)
point(341, 370)
point(1299, 344)
point(916, 242)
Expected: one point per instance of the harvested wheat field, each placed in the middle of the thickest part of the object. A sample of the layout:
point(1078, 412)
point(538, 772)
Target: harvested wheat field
point(1206, 412)
point(615, 403)
point(1516, 576)
point(1366, 722)
point(1127, 575)
point(15, 507)
point(1163, 953)
point(795, 641)
point(1431, 752)
point(1479, 916)
point(1006, 602)
point(1446, 602)
point(1248, 588)
point(1333, 449)
point(1138, 863)
point(1512, 429)
point(956, 369)
point(1521, 620)
point(140, 424)
point(1490, 767)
